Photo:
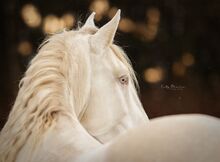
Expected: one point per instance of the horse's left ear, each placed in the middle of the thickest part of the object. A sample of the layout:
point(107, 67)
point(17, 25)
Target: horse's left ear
point(105, 35)
point(89, 22)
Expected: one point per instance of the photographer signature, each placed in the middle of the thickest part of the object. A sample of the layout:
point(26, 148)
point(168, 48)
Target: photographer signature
point(172, 87)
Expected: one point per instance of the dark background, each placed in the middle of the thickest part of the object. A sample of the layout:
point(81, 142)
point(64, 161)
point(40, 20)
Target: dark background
point(174, 46)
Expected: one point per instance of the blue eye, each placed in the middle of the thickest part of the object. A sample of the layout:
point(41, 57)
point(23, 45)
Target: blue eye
point(124, 80)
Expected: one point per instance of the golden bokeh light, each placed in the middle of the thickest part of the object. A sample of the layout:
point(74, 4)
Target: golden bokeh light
point(151, 32)
point(31, 15)
point(100, 7)
point(52, 24)
point(25, 48)
point(178, 69)
point(69, 20)
point(112, 11)
point(188, 59)
point(153, 75)
point(153, 15)
point(153, 20)
point(126, 25)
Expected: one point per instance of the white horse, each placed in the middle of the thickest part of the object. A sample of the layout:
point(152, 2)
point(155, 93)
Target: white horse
point(77, 102)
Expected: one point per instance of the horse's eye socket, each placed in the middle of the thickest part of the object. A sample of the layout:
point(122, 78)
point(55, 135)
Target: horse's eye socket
point(124, 80)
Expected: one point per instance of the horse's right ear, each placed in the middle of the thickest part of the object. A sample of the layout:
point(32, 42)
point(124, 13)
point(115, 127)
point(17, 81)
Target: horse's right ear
point(105, 35)
point(89, 22)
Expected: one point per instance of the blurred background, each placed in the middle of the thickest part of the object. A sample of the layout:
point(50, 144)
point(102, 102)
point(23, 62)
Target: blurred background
point(174, 46)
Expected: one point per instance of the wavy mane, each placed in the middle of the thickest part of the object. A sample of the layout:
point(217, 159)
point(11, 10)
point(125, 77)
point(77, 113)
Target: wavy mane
point(53, 85)
point(40, 99)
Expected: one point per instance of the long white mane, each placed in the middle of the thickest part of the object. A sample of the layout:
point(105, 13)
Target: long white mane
point(45, 92)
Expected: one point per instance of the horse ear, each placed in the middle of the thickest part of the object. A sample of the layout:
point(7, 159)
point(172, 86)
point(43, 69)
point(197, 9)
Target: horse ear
point(105, 35)
point(89, 22)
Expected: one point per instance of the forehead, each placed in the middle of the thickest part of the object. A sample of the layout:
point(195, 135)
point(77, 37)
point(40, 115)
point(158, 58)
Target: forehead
point(118, 66)
point(114, 55)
